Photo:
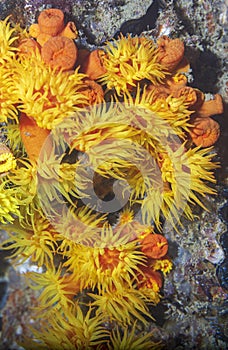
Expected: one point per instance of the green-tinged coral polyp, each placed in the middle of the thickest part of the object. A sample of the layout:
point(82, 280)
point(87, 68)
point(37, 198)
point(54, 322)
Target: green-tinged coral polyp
point(66, 154)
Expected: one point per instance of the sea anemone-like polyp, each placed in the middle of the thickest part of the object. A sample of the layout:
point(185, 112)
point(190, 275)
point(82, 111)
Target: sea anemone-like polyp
point(9, 204)
point(130, 60)
point(7, 160)
point(44, 94)
point(8, 98)
point(7, 41)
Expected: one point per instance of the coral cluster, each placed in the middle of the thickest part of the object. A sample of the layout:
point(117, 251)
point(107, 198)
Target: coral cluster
point(101, 150)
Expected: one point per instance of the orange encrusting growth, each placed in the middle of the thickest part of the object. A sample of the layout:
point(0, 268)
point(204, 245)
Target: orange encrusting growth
point(33, 137)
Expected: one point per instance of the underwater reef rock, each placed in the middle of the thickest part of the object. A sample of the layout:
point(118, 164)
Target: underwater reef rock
point(185, 275)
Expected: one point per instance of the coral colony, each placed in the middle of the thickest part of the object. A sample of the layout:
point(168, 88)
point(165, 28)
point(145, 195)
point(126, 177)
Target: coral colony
point(99, 151)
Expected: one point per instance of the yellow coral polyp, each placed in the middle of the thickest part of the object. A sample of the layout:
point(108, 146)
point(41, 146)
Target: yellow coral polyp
point(46, 95)
point(142, 147)
point(164, 265)
point(35, 241)
point(104, 268)
point(79, 225)
point(8, 99)
point(130, 60)
point(9, 205)
point(116, 265)
point(123, 305)
point(13, 138)
point(161, 115)
point(129, 340)
point(75, 329)
point(7, 40)
point(54, 292)
point(24, 178)
point(126, 216)
point(7, 162)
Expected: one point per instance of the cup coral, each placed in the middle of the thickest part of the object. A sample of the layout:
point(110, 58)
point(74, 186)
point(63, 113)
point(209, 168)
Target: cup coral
point(70, 31)
point(154, 246)
point(170, 52)
point(44, 94)
point(28, 46)
point(7, 97)
point(128, 61)
point(9, 205)
point(205, 131)
point(7, 41)
point(51, 21)
point(59, 52)
point(7, 160)
point(93, 64)
point(51, 24)
point(101, 150)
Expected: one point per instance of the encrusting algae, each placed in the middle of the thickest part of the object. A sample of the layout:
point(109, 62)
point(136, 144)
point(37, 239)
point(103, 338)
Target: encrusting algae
point(100, 148)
